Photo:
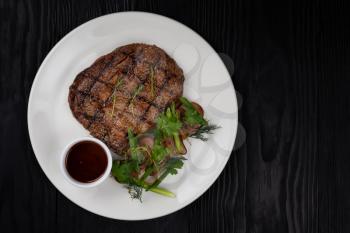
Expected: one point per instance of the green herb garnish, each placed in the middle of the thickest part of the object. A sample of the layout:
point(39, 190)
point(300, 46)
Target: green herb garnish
point(203, 131)
point(192, 116)
point(122, 170)
point(136, 93)
point(159, 152)
point(135, 191)
point(171, 167)
point(159, 160)
point(152, 80)
point(169, 125)
point(116, 86)
point(135, 152)
point(162, 191)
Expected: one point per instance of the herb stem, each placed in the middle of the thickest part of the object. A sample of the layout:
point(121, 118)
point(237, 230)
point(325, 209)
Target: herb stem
point(116, 86)
point(148, 171)
point(159, 180)
point(163, 192)
point(136, 93)
point(152, 80)
point(158, 190)
point(178, 143)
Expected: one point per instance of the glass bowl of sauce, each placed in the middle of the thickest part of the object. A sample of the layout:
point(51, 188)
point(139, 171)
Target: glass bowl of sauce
point(86, 162)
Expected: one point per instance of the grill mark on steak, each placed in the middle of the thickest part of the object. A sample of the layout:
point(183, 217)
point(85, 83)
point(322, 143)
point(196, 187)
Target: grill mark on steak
point(75, 86)
point(112, 73)
point(150, 103)
point(154, 107)
point(95, 79)
point(143, 82)
point(93, 96)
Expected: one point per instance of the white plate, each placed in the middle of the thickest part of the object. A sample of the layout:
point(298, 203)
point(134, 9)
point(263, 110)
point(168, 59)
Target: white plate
point(52, 126)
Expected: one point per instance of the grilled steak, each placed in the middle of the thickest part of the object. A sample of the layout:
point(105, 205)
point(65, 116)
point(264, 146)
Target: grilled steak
point(127, 88)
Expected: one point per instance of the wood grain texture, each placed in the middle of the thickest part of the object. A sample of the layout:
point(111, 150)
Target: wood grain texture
point(292, 69)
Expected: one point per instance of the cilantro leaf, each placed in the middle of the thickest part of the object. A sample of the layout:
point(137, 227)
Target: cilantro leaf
point(192, 116)
point(170, 168)
point(134, 149)
point(174, 164)
point(168, 123)
point(122, 170)
point(159, 152)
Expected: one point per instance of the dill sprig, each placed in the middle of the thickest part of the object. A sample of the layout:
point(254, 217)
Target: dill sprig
point(114, 96)
point(135, 191)
point(203, 131)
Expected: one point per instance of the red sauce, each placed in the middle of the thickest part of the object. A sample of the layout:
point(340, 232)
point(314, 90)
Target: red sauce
point(86, 161)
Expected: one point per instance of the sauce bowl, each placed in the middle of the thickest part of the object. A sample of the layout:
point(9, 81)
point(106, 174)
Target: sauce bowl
point(82, 166)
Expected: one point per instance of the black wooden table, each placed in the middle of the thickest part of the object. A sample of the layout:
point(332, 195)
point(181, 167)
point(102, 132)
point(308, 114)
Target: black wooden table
point(291, 171)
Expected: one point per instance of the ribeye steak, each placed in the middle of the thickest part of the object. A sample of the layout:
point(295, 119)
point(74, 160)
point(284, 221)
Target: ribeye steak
point(125, 89)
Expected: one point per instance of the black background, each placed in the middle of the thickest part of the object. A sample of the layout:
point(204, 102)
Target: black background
point(292, 69)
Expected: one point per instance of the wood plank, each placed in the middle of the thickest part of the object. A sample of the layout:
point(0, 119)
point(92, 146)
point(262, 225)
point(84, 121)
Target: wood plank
point(291, 64)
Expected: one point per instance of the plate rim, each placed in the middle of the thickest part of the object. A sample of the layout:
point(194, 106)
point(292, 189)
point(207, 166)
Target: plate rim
point(50, 54)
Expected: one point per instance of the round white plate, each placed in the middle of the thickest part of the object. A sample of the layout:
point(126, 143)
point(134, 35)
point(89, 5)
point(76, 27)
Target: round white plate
point(52, 126)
